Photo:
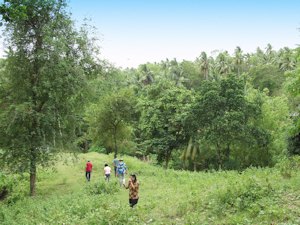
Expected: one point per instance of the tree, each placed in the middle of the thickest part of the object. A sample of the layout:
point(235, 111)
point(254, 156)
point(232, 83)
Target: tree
point(267, 76)
point(110, 119)
point(146, 75)
point(222, 116)
point(191, 71)
point(163, 108)
point(238, 60)
point(204, 64)
point(270, 55)
point(44, 82)
point(223, 63)
point(176, 72)
point(292, 87)
point(172, 70)
point(191, 153)
point(287, 59)
point(276, 120)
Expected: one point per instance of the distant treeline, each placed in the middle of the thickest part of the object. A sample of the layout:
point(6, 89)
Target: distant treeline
point(223, 111)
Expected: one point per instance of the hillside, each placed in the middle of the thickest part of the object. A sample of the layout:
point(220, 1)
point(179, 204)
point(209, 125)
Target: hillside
point(255, 196)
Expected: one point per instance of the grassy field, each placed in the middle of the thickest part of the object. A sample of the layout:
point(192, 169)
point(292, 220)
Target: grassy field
point(254, 196)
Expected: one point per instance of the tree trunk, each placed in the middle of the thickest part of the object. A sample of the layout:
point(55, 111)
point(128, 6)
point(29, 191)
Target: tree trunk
point(32, 177)
point(35, 76)
point(115, 143)
point(219, 154)
point(227, 152)
point(168, 156)
point(167, 163)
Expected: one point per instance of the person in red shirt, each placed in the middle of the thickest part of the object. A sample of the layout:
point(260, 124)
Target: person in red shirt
point(88, 170)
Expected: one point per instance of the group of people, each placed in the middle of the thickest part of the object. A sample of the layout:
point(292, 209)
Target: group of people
point(120, 170)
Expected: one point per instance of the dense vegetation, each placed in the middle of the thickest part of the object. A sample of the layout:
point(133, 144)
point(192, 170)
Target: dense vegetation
point(254, 196)
point(228, 112)
point(220, 112)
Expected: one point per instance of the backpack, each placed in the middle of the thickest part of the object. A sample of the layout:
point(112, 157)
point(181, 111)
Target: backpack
point(121, 168)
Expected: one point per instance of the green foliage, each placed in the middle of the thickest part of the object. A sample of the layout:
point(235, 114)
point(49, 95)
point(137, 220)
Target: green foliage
point(293, 82)
point(294, 145)
point(292, 87)
point(164, 107)
point(195, 115)
point(191, 73)
point(267, 76)
point(44, 81)
point(240, 196)
point(288, 166)
point(104, 187)
point(12, 188)
point(275, 119)
point(97, 149)
point(109, 80)
point(78, 208)
point(110, 119)
point(254, 196)
point(222, 119)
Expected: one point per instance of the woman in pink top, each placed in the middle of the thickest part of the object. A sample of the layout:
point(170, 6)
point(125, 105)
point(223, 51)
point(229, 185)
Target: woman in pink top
point(107, 171)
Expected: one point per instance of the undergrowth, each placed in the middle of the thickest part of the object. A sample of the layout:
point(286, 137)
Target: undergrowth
point(254, 196)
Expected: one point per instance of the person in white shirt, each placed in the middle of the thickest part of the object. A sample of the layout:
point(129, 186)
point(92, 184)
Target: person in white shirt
point(107, 171)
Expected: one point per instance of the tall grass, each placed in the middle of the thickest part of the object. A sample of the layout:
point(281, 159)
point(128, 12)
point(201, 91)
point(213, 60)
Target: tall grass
point(255, 196)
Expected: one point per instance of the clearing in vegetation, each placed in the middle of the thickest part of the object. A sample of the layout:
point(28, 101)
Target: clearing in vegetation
point(254, 196)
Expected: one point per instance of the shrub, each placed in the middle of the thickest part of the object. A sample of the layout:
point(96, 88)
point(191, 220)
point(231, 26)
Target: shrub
point(4, 186)
point(241, 195)
point(97, 149)
point(287, 166)
point(104, 188)
point(12, 188)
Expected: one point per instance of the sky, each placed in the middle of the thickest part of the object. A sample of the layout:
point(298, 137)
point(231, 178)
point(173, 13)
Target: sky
point(133, 32)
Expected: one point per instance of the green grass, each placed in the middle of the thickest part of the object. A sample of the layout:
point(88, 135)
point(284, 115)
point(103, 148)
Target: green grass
point(255, 196)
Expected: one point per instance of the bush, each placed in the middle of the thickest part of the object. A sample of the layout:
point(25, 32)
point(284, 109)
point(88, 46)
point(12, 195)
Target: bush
point(98, 149)
point(104, 188)
point(4, 187)
point(287, 166)
point(242, 195)
point(12, 188)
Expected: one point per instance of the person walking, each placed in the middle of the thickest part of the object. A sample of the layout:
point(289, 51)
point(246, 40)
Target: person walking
point(116, 163)
point(88, 170)
point(133, 186)
point(107, 171)
point(121, 171)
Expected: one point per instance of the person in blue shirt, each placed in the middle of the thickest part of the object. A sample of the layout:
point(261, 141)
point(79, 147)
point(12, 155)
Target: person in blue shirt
point(121, 171)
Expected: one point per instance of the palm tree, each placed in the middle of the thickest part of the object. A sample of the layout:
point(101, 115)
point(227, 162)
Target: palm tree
point(223, 64)
point(174, 71)
point(204, 64)
point(270, 56)
point(286, 59)
point(165, 66)
point(238, 59)
point(260, 55)
point(146, 75)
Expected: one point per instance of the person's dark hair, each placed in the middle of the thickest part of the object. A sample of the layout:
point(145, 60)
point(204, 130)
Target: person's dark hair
point(105, 164)
point(134, 177)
